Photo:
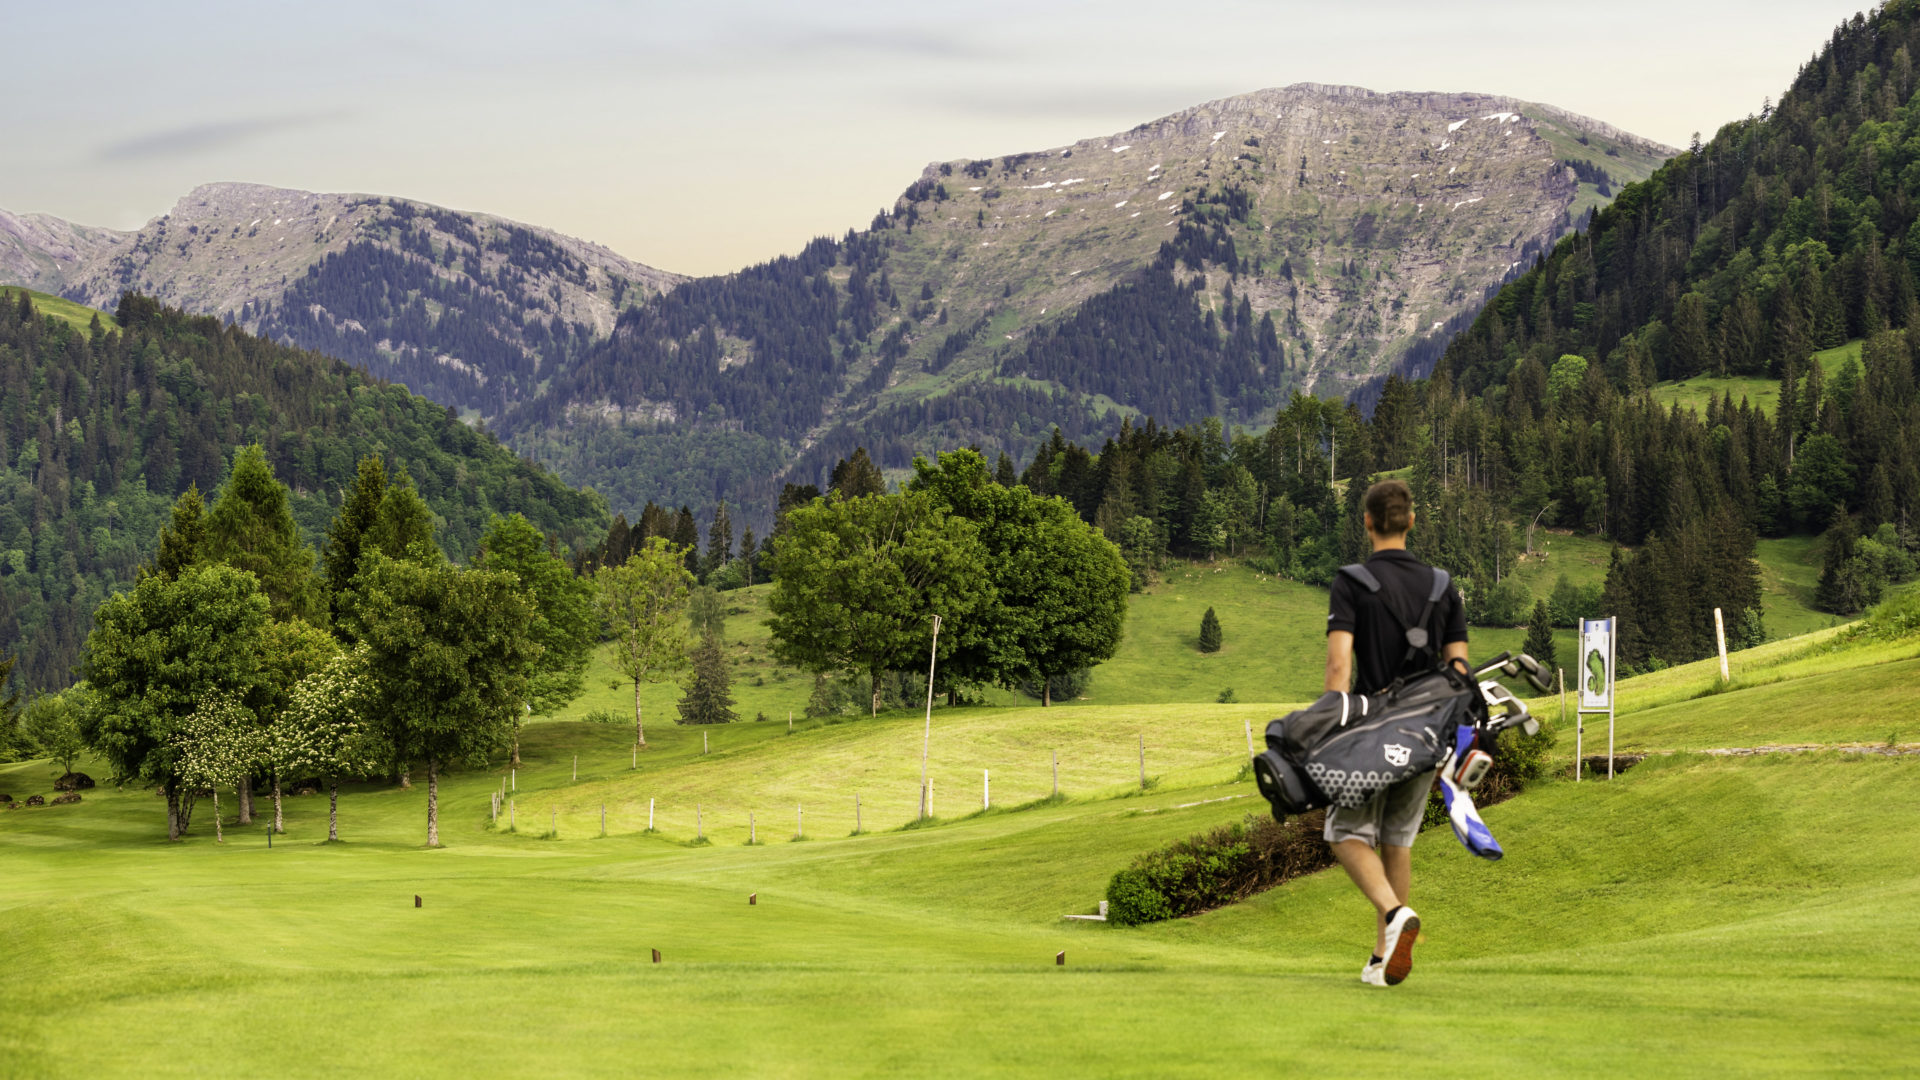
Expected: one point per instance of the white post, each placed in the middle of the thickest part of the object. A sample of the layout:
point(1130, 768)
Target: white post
point(576, 766)
point(1612, 633)
point(510, 825)
point(636, 755)
point(753, 836)
point(703, 742)
point(649, 815)
point(986, 790)
point(514, 775)
point(1249, 725)
point(789, 721)
point(1143, 761)
point(926, 740)
point(1720, 636)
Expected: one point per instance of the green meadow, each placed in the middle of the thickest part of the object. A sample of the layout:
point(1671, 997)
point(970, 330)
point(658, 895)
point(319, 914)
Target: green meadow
point(1700, 913)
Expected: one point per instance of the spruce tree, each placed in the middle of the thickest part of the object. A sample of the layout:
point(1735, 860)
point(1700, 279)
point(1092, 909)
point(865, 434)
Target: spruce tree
point(340, 555)
point(182, 538)
point(251, 527)
point(1209, 632)
point(708, 699)
point(1540, 636)
point(719, 539)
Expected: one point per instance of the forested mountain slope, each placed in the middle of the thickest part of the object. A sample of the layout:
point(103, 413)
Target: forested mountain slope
point(1205, 263)
point(100, 431)
point(1791, 231)
point(468, 309)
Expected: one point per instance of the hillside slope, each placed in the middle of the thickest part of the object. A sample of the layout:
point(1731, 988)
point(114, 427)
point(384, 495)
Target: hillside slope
point(468, 309)
point(99, 434)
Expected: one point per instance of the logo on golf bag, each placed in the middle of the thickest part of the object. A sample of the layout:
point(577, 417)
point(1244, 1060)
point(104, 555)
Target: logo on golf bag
point(1398, 755)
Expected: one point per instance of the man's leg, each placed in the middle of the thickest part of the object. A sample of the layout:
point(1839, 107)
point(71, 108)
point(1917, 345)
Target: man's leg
point(1373, 877)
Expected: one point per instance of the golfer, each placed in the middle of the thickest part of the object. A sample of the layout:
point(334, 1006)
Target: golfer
point(1367, 648)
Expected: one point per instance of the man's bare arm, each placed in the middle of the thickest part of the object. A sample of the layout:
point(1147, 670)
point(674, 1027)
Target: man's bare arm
point(1340, 660)
point(1457, 650)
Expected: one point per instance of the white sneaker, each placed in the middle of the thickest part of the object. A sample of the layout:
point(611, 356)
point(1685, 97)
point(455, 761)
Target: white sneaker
point(1375, 973)
point(1402, 931)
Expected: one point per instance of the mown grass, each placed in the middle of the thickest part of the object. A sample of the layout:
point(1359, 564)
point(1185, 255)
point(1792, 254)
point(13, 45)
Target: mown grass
point(1697, 915)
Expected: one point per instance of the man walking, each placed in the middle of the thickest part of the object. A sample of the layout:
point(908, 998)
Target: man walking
point(1380, 627)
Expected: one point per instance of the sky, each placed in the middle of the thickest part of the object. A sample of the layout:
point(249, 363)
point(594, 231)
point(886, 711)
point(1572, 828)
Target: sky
point(703, 137)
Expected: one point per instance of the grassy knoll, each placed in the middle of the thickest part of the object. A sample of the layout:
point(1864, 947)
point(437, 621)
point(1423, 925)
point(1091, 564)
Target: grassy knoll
point(66, 311)
point(1686, 918)
point(1763, 392)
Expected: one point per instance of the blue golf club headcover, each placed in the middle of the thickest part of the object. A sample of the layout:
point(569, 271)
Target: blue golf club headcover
point(1472, 832)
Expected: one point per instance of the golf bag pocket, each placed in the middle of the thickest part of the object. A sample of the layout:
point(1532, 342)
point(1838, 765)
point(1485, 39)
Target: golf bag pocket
point(1355, 764)
point(1297, 733)
point(1284, 786)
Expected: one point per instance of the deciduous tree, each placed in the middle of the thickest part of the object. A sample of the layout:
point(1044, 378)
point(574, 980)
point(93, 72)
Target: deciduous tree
point(644, 603)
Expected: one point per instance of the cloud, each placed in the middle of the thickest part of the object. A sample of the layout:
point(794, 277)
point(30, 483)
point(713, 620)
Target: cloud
point(1140, 102)
point(902, 42)
point(194, 139)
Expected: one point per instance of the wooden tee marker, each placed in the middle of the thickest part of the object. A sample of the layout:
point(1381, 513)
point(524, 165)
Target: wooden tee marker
point(416, 900)
point(656, 956)
point(753, 899)
point(1060, 958)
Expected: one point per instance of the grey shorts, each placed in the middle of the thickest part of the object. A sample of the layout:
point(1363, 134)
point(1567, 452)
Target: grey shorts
point(1391, 817)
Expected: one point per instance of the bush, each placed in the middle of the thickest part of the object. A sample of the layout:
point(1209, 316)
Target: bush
point(1216, 868)
point(1896, 618)
point(1507, 603)
point(603, 716)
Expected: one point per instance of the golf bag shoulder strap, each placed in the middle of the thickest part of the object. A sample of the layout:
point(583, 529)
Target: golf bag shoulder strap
point(1419, 637)
point(1360, 573)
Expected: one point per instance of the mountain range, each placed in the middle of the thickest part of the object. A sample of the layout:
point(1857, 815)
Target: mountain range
point(1211, 262)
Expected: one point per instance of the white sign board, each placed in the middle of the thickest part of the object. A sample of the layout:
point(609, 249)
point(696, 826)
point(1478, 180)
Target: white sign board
point(1596, 664)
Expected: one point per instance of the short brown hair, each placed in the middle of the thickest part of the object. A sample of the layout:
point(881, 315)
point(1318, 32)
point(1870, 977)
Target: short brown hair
point(1390, 502)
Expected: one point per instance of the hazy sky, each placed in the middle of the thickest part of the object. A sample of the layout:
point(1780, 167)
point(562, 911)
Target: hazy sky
point(699, 137)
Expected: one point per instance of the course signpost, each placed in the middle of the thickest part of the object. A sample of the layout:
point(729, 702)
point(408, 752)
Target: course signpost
point(1596, 677)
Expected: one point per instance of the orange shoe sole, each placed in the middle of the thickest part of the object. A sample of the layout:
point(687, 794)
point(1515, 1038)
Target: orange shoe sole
point(1400, 964)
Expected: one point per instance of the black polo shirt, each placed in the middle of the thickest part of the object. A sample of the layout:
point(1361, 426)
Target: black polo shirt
point(1379, 643)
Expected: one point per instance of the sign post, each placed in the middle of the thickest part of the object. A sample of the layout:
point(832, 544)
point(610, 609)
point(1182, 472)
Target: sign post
point(1596, 678)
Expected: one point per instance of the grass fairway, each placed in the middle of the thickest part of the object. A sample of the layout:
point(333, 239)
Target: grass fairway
point(1698, 915)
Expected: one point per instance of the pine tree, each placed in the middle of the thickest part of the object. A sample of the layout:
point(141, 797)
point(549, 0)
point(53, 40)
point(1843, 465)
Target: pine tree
point(340, 555)
point(1209, 632)
point(251, 527)
point(857, 476)
point(1540, 636)
point(719, 539)
point(708, 699)
point(182, 538)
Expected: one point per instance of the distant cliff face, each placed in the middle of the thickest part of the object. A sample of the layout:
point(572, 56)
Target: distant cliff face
point(469, 309)
point(1362, 220)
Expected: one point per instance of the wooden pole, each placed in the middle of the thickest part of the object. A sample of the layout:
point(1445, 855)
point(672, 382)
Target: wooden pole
point(789, 721)
point(1143, 761)
point(926, 740)
point(514, 776)
point(753, 834)
point(986, 790)
point(511, 827)
point(1249, 725)
point(576, 766)
point(856, 812)
point(649, 815)
point(703, 742)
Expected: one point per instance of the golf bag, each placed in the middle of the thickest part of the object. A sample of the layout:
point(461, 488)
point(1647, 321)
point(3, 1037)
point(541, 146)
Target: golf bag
point(1345, 748)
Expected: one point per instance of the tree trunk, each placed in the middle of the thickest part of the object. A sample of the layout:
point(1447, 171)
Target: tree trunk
point(333, 808)
point(186, 809)
point(516, 744)
point(400, 773)
point(1046, 691)
point(219, 835)
point(244, 792)
point(639, 730)
point(172, 790)
point(433, 802)
point(279, 822)
point(873, 677)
